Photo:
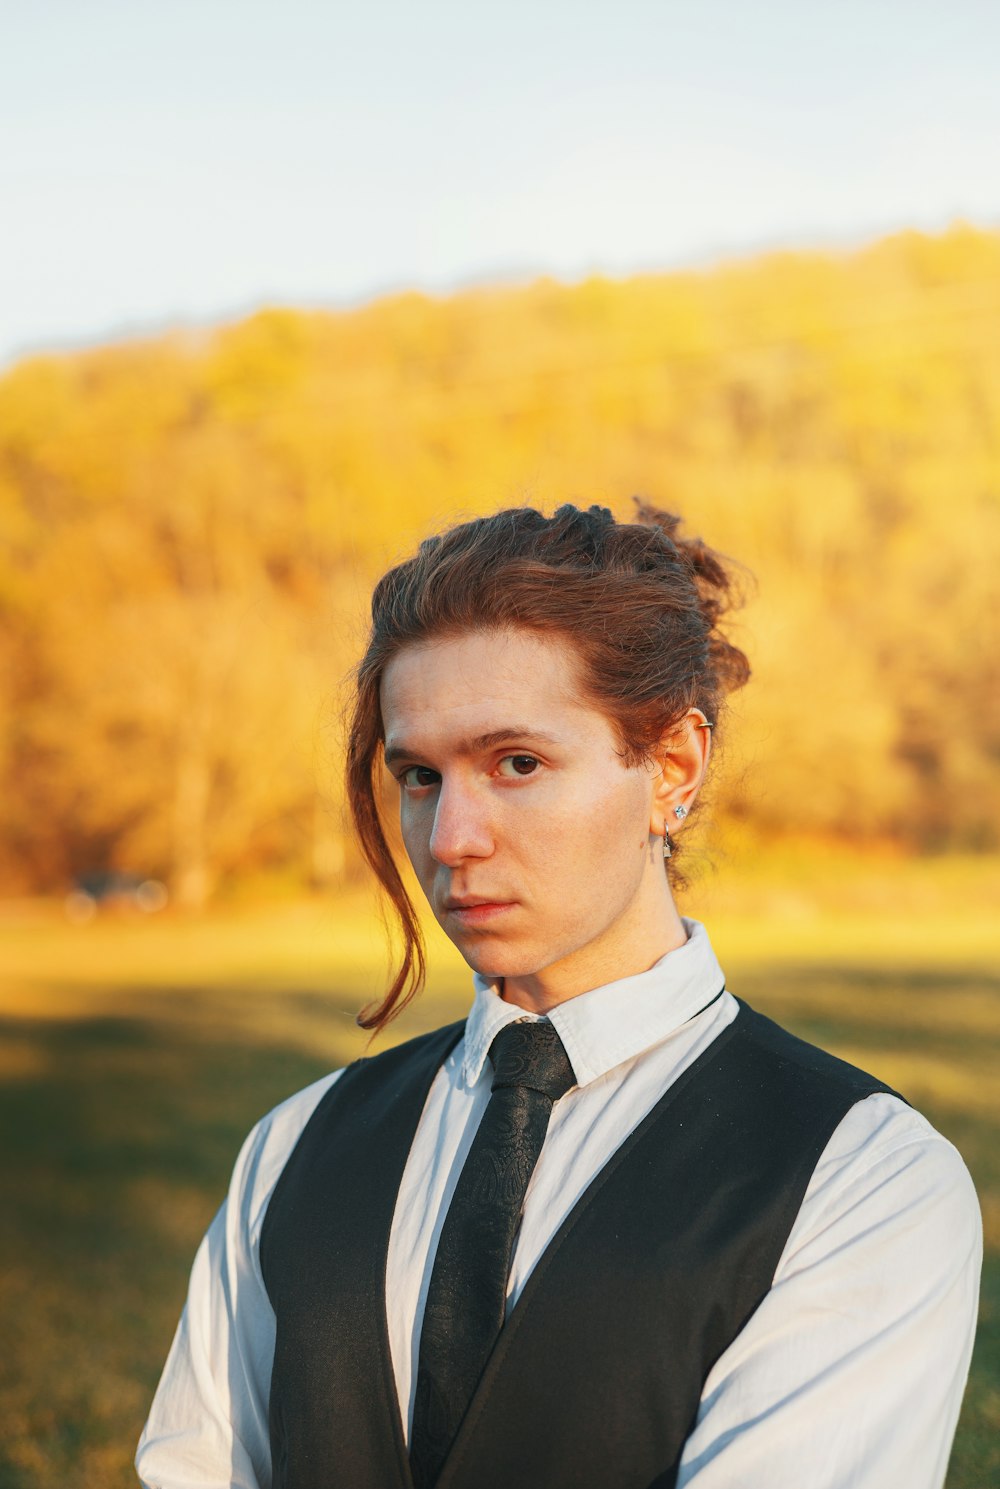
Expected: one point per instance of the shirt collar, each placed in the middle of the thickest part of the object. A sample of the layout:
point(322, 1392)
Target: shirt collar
point(608, 1024)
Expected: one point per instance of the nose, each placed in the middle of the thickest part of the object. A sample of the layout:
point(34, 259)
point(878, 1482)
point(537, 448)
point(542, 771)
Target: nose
point(461, 828)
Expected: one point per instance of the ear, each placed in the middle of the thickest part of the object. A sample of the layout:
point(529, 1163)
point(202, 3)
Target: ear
point(680, 763)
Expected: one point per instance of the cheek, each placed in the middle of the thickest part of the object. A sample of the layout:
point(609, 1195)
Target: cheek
point(416, 824)
point(605, 830)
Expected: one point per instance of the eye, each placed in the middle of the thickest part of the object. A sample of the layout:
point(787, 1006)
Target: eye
point(517, 765)
point(415, 776)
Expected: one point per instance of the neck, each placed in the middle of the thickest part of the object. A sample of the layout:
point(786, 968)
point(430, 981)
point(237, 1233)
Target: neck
point(628, 947)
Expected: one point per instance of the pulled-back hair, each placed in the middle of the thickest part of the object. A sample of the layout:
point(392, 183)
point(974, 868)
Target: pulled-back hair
point(640, 605)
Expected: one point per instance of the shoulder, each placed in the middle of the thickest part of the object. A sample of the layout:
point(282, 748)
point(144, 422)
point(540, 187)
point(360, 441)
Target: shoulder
point(887, 1174)
point(267, 1148)
point(271, 1143)
point(883, 1164)
point(796, 1058)
point(885, 1178)
point(857, 1357)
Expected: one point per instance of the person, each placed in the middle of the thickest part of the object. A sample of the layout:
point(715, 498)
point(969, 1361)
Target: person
point(614, 1230)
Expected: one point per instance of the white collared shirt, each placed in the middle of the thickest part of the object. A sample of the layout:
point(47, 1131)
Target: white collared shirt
point(849, 1375)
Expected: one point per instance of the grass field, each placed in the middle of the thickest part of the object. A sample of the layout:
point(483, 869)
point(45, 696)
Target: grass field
point(136, 1054)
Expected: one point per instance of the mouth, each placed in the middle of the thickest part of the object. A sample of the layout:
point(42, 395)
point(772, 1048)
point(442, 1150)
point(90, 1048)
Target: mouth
point(475, 912)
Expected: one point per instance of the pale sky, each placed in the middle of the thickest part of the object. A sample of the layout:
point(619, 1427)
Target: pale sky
point(187, 160)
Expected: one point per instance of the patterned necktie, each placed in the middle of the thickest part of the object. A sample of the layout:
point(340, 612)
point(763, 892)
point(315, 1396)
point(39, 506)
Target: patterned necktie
point(465, 1301)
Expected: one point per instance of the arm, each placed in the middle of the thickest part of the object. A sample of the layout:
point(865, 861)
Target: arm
point(208, 1424)
point(850, 1374)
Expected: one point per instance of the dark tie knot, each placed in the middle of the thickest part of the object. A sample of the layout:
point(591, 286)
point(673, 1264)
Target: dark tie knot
point(531, 1054)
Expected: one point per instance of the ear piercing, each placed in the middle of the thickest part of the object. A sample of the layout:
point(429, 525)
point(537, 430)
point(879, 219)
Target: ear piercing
point(680, 812)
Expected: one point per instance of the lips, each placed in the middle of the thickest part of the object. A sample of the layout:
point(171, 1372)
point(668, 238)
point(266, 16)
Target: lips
point(476, 911)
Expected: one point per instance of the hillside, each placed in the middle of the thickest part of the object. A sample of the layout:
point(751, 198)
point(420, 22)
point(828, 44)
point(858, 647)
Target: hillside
point(189, 527)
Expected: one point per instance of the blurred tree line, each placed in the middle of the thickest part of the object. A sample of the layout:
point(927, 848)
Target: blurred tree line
point(189, 528)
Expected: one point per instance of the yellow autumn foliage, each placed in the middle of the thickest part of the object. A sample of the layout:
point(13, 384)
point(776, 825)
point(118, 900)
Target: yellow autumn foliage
point(189, 528)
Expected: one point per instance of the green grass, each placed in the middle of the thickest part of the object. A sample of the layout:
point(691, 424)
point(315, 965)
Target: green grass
point(136, 1055)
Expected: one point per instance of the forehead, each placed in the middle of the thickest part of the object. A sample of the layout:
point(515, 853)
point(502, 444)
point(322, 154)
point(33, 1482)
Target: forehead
point(443, 692)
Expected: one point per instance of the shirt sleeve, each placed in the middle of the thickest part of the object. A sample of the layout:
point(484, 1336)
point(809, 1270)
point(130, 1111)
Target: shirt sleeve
point(851, 1372)
point(208, 1424)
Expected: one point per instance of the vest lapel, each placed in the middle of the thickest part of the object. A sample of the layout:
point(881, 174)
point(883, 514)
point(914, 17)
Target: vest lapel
point(323, 1255)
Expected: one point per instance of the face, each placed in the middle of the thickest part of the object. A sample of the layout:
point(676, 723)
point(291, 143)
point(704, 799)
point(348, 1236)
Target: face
point(532, 841)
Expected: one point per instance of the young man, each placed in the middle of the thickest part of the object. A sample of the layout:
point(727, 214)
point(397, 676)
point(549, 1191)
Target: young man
point(615, 1230)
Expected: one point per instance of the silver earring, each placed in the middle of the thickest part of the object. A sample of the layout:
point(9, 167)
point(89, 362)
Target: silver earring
point(680, 812)
point(667, 849)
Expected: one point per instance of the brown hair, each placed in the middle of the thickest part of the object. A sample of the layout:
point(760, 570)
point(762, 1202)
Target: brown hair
point(640, 604)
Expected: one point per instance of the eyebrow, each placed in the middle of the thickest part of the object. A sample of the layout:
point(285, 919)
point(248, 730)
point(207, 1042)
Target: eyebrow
point(511, 734)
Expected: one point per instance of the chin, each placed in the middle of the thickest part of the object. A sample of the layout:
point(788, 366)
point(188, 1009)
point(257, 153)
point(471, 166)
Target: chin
point(496, 962)
point(486, 964)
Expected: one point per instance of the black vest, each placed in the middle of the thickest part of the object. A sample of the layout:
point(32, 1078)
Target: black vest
point(596, 1377)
